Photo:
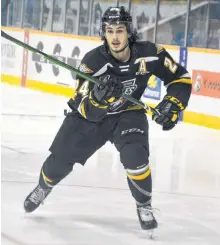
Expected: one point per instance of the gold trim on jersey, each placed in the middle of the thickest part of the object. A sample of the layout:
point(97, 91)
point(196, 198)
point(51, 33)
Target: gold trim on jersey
point(82, 109)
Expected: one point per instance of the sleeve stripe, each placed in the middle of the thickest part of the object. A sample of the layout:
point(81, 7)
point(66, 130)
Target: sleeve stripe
point(186, 75)
point(181, 80)
point(81, 107)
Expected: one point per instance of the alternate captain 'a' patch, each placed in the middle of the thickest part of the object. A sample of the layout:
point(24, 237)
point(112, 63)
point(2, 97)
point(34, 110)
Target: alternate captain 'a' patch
point(142, 69)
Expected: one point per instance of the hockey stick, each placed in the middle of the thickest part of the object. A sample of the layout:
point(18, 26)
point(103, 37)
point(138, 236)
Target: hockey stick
point(72, 69)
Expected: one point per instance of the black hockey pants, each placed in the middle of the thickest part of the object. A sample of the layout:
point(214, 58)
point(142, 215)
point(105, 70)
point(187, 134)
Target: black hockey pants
point(78, 138)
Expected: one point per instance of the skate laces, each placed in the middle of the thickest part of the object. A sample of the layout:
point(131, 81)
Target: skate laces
point(146, 213)
point(38, 195)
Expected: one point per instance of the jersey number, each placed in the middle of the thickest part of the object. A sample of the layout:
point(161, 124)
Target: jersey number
point(83, 89)
point(170, 65)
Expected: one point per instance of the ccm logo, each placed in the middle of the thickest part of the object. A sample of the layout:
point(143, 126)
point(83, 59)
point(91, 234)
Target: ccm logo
point(131, 130)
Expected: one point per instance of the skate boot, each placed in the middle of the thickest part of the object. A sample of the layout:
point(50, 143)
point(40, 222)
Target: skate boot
point(146, 217)
point(35, 198)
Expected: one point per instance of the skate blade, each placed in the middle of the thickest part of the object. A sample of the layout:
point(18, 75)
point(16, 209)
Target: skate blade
point(150, 234)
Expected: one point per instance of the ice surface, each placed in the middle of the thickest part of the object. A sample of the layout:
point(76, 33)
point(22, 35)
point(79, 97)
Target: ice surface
point(93, 204)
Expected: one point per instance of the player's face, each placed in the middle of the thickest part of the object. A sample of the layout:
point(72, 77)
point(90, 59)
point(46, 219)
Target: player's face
point(116, 36)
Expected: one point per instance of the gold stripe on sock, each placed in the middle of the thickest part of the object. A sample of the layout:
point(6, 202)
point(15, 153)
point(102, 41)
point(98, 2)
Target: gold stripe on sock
point(139, 177)
point(46, 178)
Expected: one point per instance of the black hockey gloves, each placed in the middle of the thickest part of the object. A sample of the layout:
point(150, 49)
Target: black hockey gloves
point(169, 109)
point(109, 92)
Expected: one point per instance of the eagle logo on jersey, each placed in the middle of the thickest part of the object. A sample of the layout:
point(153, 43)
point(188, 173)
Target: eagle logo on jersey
point(159, 48)
point(85, 69)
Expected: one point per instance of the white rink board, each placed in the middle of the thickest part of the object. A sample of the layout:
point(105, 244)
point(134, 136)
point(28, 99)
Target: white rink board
point(12, 55)
point(60, 46)
point(208, 62)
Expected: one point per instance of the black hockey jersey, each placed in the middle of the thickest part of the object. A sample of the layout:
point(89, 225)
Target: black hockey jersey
point(146, 59)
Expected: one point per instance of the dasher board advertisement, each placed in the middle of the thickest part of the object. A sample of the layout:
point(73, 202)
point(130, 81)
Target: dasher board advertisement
point(12, 55)
point(206, 83)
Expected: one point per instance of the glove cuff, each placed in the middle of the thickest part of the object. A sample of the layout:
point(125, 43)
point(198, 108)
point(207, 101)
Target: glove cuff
point(175, 101)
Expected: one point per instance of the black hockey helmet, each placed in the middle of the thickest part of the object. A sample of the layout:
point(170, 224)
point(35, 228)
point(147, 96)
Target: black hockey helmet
point(117, 15)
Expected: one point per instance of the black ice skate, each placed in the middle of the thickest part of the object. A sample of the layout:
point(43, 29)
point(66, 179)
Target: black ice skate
point(35, 198)
point(146, 217)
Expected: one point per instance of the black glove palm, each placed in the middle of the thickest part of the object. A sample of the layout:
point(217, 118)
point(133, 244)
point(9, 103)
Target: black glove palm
point(110, 90)
point(169, 109)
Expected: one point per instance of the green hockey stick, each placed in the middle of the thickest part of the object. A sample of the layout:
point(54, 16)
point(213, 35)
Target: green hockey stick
point(72, 69)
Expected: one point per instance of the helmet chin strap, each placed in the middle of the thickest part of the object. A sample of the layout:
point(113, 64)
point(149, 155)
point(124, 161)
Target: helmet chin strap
point(119, 51)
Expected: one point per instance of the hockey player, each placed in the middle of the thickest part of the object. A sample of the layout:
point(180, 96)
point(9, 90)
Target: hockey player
point(100, 113)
